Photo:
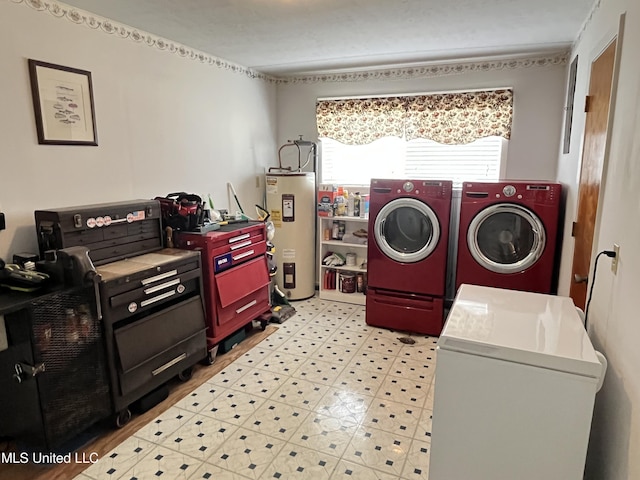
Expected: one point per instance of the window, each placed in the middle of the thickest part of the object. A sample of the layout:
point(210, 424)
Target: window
point(454, 136)
point(393, 157)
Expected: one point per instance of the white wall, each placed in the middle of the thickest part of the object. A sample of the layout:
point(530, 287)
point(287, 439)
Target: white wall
point(613, 314)
point(165, 123)
point(537, 112)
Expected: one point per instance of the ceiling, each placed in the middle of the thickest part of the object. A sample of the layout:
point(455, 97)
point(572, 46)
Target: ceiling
point(284, 37)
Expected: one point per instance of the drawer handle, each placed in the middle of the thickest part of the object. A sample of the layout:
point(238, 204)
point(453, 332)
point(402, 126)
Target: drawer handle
point(162, 286)
point(162, 276)
point(239, 237)
point(144, 303)
point(248, 305)
point(169, 364)
point(245, 254)
point(240, 245)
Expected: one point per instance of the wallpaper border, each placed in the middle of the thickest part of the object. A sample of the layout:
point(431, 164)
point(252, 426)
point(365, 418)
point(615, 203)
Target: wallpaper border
point(96, 22)
point(434, 70)
point(430, 69)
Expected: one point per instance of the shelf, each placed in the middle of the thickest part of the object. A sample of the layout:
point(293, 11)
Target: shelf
point(346, 218)
point(346, 268)
point(351, 224)
point(336, 296)
point(340, 242)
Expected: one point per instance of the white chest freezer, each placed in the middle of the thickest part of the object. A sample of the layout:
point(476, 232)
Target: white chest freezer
point(516, 378)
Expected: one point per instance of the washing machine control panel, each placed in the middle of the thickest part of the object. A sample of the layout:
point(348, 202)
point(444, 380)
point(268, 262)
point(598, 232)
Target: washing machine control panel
point(407, 187)
point(509, 190)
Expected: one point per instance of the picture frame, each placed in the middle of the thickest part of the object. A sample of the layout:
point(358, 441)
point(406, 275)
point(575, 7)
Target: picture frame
point(63, 104)
point(568, 109)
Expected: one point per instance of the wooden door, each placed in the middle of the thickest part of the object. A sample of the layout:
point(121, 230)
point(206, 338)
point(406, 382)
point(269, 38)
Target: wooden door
point(595, 139)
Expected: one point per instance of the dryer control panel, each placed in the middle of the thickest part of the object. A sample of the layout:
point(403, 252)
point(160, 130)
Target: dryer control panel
point(546, 193)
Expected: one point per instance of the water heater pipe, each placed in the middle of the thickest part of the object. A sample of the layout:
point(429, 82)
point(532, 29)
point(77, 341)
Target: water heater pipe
point(313, 154)
point(313, 151)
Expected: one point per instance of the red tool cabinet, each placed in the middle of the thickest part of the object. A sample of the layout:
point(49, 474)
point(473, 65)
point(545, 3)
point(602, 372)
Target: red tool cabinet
point(235, 275)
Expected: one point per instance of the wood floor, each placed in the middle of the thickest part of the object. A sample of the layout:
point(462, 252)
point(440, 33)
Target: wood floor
point(110, 438)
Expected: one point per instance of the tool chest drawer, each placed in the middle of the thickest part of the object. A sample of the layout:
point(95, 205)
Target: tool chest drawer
point(116, 249)
point(225, 243)
point(245, 309)
point(242, 292)
point(227, 239)
point(247, 251)
point(147, 298)
point(111, 231)
point(160, 345)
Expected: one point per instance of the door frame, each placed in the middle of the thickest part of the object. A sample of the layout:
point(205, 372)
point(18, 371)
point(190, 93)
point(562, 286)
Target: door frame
point(607, 39)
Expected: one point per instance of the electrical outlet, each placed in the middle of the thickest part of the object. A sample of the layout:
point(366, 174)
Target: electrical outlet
point(616, 259)
point(257, 181)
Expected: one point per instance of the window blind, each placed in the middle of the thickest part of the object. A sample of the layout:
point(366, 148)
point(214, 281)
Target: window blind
point(393, 157)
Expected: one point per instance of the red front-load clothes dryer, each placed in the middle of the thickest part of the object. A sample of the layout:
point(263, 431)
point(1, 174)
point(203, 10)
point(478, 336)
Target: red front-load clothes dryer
point(508, 234)
point(407, 254)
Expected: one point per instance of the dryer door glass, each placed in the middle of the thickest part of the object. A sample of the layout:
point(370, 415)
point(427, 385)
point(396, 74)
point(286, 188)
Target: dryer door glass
point(407, 230)
point(506, 238)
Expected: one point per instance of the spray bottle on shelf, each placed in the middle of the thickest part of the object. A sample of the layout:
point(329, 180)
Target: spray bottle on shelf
point(356, 204)
point(351, 205)
point(340, 205)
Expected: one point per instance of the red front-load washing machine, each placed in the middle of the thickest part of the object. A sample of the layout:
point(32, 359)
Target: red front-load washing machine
point(407, 254)
point(508, 233)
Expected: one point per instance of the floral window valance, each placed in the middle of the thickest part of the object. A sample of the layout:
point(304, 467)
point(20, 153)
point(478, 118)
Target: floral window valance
point(361, 121)
point(451, 118)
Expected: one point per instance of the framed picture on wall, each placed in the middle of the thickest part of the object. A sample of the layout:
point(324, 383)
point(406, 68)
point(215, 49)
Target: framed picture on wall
point(63, 104)
point(568, 110)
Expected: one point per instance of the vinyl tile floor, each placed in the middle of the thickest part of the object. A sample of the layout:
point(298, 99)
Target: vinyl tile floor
point(324, 397)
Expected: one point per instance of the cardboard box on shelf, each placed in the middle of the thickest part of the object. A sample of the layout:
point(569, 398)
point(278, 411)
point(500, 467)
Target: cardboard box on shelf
point(325, 203)
point(364, 205)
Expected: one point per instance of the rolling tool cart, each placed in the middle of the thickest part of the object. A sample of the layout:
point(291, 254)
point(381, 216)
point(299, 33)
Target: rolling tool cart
point(150, 299)
point(235, 275)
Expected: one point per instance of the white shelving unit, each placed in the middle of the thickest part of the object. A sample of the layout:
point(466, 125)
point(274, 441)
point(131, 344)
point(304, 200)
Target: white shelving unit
point(351, 224)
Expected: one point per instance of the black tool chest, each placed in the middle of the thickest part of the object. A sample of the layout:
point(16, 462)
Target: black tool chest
point(149, 297)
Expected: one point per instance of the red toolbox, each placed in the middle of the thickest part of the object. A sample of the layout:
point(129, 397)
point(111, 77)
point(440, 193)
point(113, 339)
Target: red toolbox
point(235, 275)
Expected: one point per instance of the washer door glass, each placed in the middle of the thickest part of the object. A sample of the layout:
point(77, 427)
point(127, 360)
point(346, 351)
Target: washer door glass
point(506, 238)
point(407, 230)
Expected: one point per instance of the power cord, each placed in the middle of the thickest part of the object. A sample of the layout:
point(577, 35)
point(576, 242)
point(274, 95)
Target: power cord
point(610, 254)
